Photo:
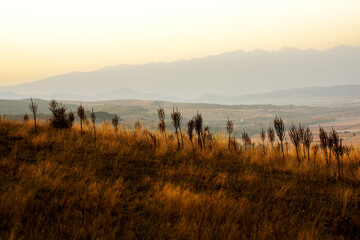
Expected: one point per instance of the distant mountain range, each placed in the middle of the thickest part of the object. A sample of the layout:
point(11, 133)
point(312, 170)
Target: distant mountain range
point(231, 78)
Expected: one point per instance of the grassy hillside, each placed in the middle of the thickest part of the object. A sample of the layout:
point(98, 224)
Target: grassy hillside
point(57, 184)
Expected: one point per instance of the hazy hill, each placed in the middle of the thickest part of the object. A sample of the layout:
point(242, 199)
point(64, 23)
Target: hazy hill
point(334, 95)
point(121, 93)
point(230, 74)
point(22, 106)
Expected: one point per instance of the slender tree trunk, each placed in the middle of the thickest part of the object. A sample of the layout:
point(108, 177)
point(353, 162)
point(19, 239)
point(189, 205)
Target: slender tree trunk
point(263, 146)
point(182, 141)
point(204, 141)
point(339, 166)
point(192, 147)
point(81, 131)
point(177, 137)
point(304, 152)
point(35, 122)
point(326, 157)
point(297, 154)
point(229, 142)
point(199, 141)
point(94, 133)
point(282, 149)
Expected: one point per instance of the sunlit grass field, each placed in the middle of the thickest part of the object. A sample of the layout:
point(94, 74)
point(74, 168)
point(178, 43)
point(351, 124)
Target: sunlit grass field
point(59, 184)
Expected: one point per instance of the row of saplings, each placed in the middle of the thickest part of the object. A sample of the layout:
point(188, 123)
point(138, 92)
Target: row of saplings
point(329, 142)
point(59, 119)
point(302, 138)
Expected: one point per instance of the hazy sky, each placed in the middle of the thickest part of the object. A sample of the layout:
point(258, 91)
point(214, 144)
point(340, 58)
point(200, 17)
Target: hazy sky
point(41, 38)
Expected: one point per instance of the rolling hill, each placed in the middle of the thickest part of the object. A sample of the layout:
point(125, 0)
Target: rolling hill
point(320, 96)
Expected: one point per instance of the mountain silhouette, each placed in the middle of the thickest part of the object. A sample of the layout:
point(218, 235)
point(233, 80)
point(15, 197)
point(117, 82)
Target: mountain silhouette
point(229, 74)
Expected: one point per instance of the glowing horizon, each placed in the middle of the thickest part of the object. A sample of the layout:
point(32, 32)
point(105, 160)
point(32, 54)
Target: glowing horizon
point(45, 38)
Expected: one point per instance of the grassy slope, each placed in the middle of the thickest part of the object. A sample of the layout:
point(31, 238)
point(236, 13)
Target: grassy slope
point(58, 185)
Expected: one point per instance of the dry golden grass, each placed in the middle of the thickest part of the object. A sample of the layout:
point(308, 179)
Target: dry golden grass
point(55, 184)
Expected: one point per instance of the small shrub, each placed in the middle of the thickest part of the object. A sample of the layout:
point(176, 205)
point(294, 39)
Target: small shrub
point(59, 118)
point(115, 122)
point(295, 139)
point(26, 118)
point(271, 136)
point(246, 139)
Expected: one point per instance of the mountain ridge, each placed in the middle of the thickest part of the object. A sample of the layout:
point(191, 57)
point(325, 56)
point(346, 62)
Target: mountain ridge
point(231, 73)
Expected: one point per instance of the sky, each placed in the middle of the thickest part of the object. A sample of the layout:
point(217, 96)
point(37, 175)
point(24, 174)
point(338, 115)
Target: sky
point(42, 38)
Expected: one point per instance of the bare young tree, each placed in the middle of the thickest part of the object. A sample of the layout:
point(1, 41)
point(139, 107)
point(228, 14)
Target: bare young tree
point(93, 118)
point(331, 141)
point(262, 136)
point(115, 123)
point(190, 131)
point(229, 128)
point(338, 149)
point(162, 124)
point(33, 108)
point(307, 140)
point(280, 132)
point(198, 127)
point(271, 136)
point(295, 139)
point(176, 121)
point(324, 143)
point(82, 117)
